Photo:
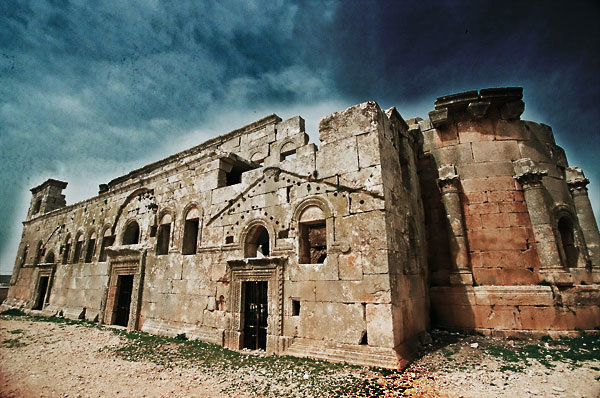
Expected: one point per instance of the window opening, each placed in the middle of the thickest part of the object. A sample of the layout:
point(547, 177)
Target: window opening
point(162, 244)
point(131, 236)
point(257, 242)
point(37, 206)
point(190, 232)
point(49, 258)
point(313, 243)
point(78, 249)
point(66, 250)
point(234, 176)
point(107, 241)
point(24, 255)
point(567, 235)
point(39, 253)
point(295, 307)
point(91, 248)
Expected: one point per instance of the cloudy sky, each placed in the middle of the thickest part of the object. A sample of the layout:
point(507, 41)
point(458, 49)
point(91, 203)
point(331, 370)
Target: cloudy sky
point(91, 90)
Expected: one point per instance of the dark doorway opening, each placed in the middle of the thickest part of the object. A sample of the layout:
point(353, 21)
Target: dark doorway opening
point(124, 289)
point(255, 315)
point(42, 290)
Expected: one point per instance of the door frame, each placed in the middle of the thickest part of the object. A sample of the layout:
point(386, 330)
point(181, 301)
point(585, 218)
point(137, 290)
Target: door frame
point(124, 264)
point(267, 269)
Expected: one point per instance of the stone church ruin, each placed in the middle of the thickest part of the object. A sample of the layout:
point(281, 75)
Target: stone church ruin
point(348, 251)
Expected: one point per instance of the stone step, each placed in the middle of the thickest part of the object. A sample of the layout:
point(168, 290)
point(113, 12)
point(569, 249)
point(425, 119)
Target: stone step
point(355, 355)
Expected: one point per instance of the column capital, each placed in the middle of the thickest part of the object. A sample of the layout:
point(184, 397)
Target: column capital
point(576, 181)
point(528, 173)
point(448, 178)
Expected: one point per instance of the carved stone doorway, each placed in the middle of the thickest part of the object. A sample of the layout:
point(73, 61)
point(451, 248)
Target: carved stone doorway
point(41, 292)
point(124, 290)
point(255, 314)
point(256, 297)
point(123, 299)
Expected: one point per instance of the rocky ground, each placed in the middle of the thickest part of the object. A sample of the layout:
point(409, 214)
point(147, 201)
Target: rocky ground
point(49, 357)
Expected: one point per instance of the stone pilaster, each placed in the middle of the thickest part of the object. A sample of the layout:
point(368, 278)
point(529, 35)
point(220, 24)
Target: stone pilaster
point(530, 175)
point(448, 182)
point(578, 187)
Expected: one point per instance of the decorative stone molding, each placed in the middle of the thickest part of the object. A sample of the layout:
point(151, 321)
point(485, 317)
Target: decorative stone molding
point(528, 173)
point(478, 109)
point(269, 269)
point(576, 181)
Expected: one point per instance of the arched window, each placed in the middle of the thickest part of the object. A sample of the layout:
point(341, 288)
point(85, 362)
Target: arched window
point(164, 235)
point(78, 249)
point(66, 249)
point(91, 248)
point(49, 258)
point(288, 151)
point(39, 253)
point(257, 242)
point(567, 237)
point(131, 236)
point(191, 227)
point(107, 241)
point(312, 232)
point(24, 255)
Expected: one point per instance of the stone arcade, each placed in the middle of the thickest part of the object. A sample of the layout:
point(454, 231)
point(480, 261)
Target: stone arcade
point(349, 251)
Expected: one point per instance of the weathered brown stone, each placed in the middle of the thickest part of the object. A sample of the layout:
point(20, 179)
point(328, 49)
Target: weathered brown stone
point(353, 244)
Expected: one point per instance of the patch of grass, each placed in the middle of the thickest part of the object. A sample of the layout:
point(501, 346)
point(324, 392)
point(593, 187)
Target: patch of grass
point(13, 312)
point(572, 350)
point(13, 343)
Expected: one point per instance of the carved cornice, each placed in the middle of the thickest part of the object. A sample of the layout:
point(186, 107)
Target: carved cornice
point(448, 179)
point(528, 173)
point(577, 181)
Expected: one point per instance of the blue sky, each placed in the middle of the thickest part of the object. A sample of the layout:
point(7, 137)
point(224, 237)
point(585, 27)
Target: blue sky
point(90, 91)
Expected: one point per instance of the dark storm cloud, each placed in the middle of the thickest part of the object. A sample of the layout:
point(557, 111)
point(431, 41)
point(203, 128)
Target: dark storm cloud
point(89, 91)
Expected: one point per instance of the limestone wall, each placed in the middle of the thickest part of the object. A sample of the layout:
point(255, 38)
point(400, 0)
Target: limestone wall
point(368, 293)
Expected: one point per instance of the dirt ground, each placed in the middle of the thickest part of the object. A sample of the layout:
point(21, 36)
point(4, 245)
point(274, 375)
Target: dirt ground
point(64, 359)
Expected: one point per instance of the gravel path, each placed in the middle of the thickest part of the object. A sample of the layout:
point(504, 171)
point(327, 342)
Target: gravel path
point(47, 359)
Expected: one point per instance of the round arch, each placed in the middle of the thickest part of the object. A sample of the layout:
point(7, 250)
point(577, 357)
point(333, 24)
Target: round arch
point(257, 238)
point(131, 233)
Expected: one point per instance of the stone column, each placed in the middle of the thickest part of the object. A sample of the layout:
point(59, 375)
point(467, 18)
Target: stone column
point(577, 185)
point(448, 182)
point(530, 175)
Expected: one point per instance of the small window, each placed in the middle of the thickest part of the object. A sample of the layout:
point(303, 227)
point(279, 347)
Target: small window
point(257, 242)
point(234, 176)
point(228, 240)
point(91, 248)
point(66, 250)
point(567, 235)
point(295, 307)
point(131, 236)
point(191, 227)
point(164, 235)
point(24, 255)
point(39, 253)
point(49, 258)
point(288, 151)
point(78, 249)
point(37, 206)
point(107, 241)
point(313, 243)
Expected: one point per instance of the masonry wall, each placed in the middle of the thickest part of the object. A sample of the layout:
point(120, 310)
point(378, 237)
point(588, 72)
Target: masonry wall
point(367, 299)
point(514, 276)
